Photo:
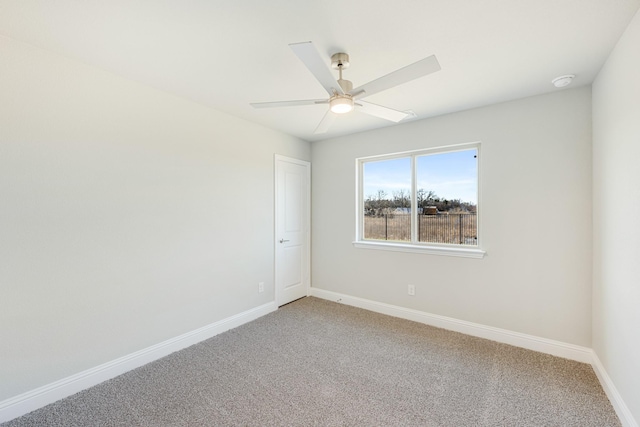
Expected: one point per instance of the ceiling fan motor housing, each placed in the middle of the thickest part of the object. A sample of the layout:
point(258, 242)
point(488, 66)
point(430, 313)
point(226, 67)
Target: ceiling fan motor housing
point(346, 85)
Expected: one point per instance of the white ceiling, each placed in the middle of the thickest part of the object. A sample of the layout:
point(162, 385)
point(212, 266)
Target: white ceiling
point(227, 53)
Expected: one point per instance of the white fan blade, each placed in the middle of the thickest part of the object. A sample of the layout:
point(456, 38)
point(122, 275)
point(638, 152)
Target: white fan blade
point(325, 123)
point(403, 75)
point(318, 66)
point(382, 112)
point(359, 94)
point(288, 103)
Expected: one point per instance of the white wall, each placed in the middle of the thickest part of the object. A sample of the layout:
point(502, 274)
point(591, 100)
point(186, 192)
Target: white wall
point(128, 216)
point(535, 220)
point(616, 206)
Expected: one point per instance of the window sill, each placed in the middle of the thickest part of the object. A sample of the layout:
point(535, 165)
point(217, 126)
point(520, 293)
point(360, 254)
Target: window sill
point(463, 252)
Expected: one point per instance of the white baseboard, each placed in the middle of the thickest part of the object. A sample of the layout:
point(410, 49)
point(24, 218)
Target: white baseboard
point(531, 342)
point(24, 403)
point(622, 410)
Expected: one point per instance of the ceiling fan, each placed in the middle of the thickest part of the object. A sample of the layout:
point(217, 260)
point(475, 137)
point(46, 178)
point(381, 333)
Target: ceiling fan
point(343, 98)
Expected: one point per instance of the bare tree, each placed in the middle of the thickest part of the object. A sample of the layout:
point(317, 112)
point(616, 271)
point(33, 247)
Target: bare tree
point(402, 199)
point(425, 198)
point(378, 204)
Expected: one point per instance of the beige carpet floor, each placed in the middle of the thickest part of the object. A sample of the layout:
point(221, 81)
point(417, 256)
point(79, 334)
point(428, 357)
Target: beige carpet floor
point(319, 363)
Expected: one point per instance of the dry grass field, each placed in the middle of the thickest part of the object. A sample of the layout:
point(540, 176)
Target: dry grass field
point(452, 229)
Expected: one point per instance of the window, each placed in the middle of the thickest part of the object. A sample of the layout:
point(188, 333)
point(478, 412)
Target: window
point(420, 201)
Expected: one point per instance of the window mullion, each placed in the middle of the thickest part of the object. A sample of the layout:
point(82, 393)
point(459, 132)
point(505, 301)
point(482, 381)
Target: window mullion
point(414, 203)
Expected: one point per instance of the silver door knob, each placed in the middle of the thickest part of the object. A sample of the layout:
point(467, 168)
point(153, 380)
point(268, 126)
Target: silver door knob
point(283, 240)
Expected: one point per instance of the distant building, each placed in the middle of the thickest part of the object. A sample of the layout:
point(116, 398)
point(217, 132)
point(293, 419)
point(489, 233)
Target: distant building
point(430, 210)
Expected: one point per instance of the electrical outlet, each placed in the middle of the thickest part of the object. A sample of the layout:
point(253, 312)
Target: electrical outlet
point(261, 287)
point(411, 289)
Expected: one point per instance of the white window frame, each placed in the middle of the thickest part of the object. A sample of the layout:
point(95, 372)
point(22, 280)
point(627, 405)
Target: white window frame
point(415, 246)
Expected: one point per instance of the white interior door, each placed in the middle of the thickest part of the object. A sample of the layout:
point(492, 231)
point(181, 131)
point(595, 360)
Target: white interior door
point(292, 202)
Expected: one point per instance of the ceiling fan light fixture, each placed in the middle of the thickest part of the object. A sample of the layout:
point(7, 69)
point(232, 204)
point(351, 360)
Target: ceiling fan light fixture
point(341, 104)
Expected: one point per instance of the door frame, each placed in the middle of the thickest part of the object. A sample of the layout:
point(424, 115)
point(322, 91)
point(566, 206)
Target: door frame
point(307, 251)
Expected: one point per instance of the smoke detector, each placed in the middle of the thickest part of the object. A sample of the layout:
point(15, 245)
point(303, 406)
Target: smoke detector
point(563, 81)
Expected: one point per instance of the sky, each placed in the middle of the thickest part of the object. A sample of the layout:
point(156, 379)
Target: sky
point(451, 175)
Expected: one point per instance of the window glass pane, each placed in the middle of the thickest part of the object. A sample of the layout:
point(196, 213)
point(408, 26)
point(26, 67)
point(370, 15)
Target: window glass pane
point(447, 197)
point(387, 199)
